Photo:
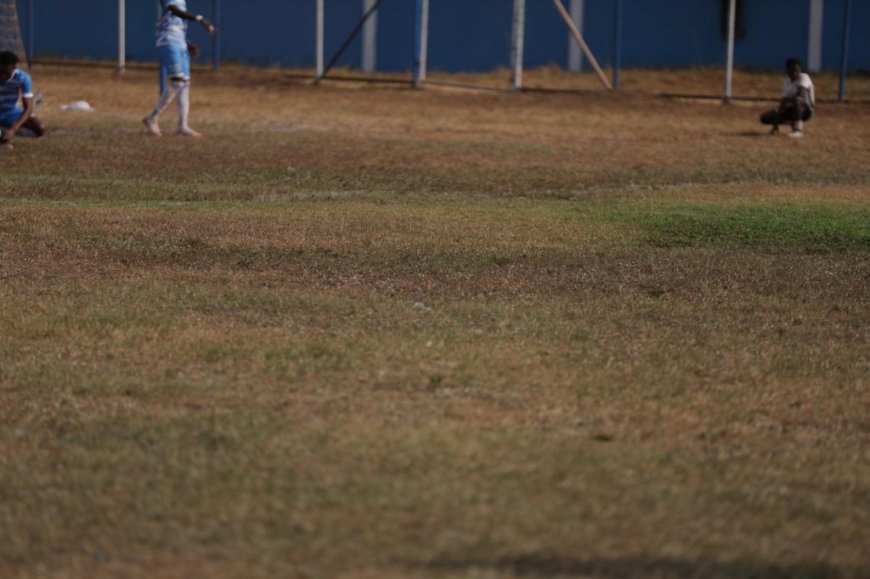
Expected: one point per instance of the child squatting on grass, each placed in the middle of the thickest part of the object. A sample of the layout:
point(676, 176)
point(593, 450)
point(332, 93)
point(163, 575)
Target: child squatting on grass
point(15, 84)
point(798, 101)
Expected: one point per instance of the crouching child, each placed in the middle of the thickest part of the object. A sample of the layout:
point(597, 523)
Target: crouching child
point(798, 102)
point(16, 100)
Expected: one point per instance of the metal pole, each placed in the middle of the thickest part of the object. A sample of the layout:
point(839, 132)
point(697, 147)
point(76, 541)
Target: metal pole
point(318, 50)
point(617, 44)
point(122, 35)
point(161, 71)
point(729, 60)
point(814, 41)
point(575, 55)
point(29, 33)
point(844, 51)
point(370, 39)
point(517, 43)
point(421, 42)
point(215, 40)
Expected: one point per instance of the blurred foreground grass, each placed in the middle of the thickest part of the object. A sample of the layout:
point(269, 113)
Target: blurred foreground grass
point(433, 334)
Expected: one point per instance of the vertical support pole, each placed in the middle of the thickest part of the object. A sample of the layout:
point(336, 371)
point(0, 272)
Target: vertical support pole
point(318, 40)
point(517, 43)
point(216, 39)
point(122, 36)
point(729, 60)
point(161, 71)
point(29, 33)
point(617, 44)
point(370, 38)
point(844, 51)
point(814, 42)
point(575, 55)
point(421, 42)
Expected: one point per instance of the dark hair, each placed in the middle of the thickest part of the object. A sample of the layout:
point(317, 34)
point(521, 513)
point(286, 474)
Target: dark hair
point(8, 57)
point(793, 62)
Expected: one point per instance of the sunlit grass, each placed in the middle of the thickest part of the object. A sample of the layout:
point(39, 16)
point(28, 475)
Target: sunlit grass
point(368, 332)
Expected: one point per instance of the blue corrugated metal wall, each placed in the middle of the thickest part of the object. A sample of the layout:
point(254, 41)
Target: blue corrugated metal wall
point(465, 35)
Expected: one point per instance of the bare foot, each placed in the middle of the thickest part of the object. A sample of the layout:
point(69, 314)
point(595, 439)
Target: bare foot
point(153, 127)
point(188, 132)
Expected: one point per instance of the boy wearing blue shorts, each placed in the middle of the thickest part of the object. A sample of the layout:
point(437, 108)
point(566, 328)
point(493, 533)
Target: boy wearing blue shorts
point(174, 54)
point(15, 86)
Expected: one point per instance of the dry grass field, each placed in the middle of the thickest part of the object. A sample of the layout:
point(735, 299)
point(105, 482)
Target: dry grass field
point(363, 331)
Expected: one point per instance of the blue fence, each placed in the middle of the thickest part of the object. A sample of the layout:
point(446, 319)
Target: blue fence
point(465, 35)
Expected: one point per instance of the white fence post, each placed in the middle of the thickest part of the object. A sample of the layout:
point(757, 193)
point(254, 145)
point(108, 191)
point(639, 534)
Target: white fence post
point(421, 42)
point(122, 35)
point(814, 43)
point(318, 40)
point(575, 55)
point(517, 42)
point(370, 39)
point(729, 64)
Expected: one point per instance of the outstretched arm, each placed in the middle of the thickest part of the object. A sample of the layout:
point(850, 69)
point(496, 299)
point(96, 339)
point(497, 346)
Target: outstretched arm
point(191, 16)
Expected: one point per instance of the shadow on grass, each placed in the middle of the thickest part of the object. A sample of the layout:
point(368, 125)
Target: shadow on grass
point(647, 568)
point(752, 134)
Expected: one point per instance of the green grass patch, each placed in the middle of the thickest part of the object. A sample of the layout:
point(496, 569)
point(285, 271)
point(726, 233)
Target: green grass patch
point(804, 227)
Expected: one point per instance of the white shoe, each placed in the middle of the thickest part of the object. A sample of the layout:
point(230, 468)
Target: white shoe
point(796, 134)
point(188, 132)
point(153, 128)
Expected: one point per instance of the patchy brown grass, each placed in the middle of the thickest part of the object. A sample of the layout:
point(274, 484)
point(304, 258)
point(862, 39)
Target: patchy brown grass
point(365, 331)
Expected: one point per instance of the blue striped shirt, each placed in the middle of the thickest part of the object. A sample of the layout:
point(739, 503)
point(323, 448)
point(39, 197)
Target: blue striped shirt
point(171, 29)
point(17, 87)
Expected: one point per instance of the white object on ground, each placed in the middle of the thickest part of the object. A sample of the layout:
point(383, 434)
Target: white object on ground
point(83, 106)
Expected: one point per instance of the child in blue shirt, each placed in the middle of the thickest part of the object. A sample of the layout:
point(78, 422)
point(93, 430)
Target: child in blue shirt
point(174, 52)
point(15, 86)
